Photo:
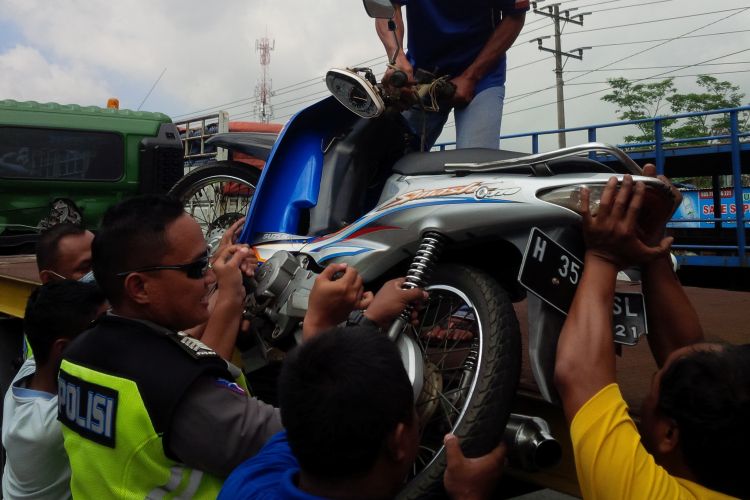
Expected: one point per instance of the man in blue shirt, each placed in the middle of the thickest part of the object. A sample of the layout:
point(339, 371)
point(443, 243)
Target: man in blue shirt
point(466, 41)
point(352, 430)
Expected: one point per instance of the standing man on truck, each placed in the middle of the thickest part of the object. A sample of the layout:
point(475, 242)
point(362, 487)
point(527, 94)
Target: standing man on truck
point(466, 41)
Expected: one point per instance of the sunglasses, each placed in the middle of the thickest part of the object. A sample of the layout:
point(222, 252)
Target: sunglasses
point(194, 270)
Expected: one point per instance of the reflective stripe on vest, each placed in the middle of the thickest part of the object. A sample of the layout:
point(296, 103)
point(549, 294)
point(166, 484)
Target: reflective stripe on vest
point(113, 448)
point(174, 481)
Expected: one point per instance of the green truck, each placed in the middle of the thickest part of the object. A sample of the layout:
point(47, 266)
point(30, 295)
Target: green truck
point(69, 163)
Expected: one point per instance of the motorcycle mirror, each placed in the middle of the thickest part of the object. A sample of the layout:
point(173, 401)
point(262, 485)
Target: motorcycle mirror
point(379, 9)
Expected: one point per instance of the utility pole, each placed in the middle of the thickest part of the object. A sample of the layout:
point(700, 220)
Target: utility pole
point(263, 92)
point(553, 11)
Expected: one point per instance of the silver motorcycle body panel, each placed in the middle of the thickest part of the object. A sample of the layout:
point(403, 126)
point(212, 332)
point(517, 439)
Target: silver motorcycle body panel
point(481, 207)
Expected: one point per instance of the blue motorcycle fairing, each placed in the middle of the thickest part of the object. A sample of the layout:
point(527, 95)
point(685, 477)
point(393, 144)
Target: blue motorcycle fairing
point(290, 180)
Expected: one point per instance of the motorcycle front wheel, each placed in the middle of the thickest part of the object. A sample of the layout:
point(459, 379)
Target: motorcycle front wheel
point(471, 346)
point(216, 195)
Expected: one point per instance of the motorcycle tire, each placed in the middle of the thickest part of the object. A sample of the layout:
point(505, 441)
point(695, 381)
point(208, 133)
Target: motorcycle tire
point(217, 194)
point(485, 408)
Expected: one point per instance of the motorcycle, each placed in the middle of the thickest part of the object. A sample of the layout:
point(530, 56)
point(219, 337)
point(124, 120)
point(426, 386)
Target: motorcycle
point(344, 182)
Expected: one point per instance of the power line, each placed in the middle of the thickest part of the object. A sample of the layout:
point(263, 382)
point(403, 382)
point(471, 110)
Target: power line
point(634, 68)
point(735, 12)
point(595, 4)
point(451, 123)
point(657, 20)
point(675, 76)
point(295, 87)
point(318, 79)
point(629, 6)
point(528, 63)
point(690, 32)
point(251, 100)
point(635, 81)
point(593, 12)
point(513, 99)
point(667, 39)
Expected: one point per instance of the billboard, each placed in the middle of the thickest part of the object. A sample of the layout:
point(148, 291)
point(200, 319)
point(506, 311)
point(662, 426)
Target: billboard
point(697, 209)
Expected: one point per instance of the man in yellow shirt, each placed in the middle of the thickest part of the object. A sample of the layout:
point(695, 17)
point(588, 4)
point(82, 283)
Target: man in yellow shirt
point(695, 437)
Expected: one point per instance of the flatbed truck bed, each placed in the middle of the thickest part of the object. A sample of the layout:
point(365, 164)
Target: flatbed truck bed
point(18, 278)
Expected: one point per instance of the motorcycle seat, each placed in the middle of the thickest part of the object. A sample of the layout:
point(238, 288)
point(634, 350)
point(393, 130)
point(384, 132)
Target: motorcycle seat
point(257, 144)
point(433, 163)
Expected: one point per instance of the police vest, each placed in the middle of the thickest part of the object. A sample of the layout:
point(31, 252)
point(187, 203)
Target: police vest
point(118, 387)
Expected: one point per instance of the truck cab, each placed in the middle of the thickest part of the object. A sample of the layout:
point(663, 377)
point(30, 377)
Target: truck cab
point(69, 163)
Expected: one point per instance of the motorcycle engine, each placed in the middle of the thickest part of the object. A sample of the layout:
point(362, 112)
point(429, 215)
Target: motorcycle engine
point(286, 281)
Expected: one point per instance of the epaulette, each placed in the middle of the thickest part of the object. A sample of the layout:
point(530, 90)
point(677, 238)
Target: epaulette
point(194, 347)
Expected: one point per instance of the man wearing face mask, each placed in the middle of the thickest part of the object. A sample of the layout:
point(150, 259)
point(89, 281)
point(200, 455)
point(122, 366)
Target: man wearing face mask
point(64, 252)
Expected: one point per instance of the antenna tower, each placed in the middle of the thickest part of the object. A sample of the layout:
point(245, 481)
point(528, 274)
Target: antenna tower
point(263, 92)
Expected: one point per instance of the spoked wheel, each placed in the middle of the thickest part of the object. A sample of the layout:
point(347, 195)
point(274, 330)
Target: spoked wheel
point(217, 195)
point(471, 348)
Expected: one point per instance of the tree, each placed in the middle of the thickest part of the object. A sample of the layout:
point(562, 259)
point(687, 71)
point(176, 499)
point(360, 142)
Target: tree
point(717, 95)
point(638, 101)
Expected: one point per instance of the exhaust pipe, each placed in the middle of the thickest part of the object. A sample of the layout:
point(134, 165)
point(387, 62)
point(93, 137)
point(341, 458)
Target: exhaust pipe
point(530, 445)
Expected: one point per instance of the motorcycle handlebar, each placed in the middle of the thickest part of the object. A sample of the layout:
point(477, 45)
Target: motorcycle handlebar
point(398, 79)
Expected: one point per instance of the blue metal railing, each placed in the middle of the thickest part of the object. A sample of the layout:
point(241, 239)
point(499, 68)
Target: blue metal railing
point(733, 141)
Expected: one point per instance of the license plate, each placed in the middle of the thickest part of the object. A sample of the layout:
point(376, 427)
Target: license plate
point(552, 273)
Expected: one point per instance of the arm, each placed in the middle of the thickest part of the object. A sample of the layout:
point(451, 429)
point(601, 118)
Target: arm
point(389, 42)
point(498, 44)
point(585, 353)
point(672, 320)
point(215, 428)
point(390, 300)
point(220, 332)
point(332, 299)
point(471, 478)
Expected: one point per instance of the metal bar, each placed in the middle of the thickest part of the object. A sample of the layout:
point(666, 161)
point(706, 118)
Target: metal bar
point(631, 166)
point(739, 204)
point(706, 247)
point(708, 260)
point(592, 138)
point(534, 143)
point(659, 150)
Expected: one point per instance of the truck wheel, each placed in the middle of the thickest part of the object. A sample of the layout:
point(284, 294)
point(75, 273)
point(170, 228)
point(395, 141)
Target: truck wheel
point(216, 195)
point(471, 347)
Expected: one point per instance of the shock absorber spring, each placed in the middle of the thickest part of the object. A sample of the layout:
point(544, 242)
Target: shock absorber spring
point(472, 359)
point(419, 274)
point(424, 261)
point(467, 373)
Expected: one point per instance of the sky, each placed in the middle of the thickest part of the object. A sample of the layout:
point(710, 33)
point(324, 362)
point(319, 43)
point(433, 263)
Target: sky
point(201, 56)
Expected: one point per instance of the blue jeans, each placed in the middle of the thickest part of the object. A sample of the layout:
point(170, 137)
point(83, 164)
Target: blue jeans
point(477, 125)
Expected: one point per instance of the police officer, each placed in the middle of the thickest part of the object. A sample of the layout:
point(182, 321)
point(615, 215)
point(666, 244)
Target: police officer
point(148, 411)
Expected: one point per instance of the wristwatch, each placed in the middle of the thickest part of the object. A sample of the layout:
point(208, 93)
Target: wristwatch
point(358, 318)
